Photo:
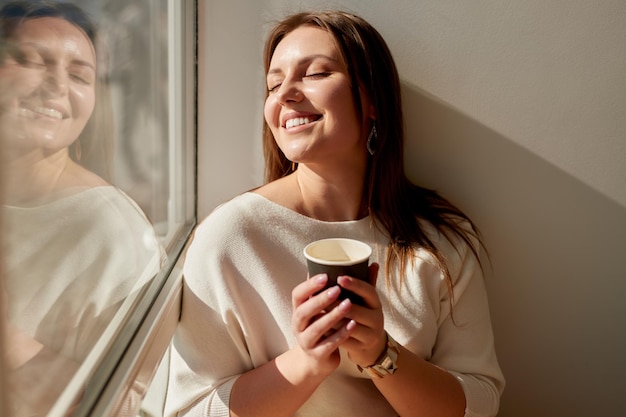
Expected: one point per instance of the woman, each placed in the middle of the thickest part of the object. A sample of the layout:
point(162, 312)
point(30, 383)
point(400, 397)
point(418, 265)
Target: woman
point(256, 338)
point(75, 247)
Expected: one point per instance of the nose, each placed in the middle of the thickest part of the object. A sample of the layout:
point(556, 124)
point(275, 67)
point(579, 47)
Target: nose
point(289, 91)
point(56, 80)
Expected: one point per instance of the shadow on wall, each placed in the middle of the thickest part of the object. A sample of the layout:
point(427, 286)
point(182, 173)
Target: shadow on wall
point(558, 253)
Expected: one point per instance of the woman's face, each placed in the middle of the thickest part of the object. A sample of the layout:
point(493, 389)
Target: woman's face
point(310, 109)
point(48, 85)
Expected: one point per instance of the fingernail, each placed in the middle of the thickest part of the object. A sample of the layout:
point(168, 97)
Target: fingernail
point(321, 278)
point(344, 280)
point(332, 292)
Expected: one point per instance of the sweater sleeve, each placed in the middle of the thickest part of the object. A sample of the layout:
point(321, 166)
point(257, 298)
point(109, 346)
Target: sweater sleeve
point(465, 341)
point(204, 363)
point(208, 351)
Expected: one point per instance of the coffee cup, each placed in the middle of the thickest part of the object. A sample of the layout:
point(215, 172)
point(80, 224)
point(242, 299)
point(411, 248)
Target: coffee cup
point(336, 257)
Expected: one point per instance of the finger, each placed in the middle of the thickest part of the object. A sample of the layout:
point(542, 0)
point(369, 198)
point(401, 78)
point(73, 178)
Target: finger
point(363, 337)
point(313, 308)
point(331, 320)
point(307, 288)
point(361, 288)
point(337, 338)
point(324, 327)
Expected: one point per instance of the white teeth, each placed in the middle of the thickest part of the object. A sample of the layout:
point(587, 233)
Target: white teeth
point(49, 112)
point(46, 111)
point(297, 121)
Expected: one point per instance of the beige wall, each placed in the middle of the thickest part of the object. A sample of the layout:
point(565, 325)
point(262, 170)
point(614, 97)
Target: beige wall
point(515, 111)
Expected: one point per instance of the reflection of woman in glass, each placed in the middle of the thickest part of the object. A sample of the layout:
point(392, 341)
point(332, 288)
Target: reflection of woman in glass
point(75, 247)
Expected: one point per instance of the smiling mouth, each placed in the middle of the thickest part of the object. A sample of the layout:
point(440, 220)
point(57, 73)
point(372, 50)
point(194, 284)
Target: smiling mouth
point(298, 121)
point(42, 111)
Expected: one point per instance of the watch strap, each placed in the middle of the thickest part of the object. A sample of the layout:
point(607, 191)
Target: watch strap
point(386, 364)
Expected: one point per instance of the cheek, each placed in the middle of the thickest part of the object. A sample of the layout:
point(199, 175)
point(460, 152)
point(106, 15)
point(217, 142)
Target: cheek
point(83, 102)
point(271, 112)
point(337, 97)
point(17, 82)
point(343, 108)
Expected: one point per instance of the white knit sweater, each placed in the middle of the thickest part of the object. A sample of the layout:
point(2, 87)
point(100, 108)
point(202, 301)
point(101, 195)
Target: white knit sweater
point(245, 259)
point(73, 266)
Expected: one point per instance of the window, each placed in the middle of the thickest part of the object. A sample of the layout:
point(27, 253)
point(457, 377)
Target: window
point(97, 144)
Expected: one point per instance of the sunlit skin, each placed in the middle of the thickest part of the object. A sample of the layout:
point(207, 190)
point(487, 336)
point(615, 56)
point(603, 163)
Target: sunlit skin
point(310, 108)
point(308, 82)
point(48, 83)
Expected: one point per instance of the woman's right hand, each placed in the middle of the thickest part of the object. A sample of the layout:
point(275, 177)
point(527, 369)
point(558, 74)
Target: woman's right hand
point(319, 323)
point(280, 387)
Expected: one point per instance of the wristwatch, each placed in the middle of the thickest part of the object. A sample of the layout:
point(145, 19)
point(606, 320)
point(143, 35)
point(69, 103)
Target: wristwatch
point(386, 364)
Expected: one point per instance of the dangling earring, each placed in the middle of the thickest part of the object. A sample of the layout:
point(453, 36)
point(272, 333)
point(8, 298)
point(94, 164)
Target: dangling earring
point(293, 166)
point(371, 141)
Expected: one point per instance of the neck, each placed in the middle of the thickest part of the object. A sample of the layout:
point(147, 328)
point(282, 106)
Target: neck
point(28, 178)
point(330, 196)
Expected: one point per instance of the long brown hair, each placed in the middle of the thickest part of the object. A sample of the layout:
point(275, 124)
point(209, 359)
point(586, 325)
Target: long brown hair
point(396, 205)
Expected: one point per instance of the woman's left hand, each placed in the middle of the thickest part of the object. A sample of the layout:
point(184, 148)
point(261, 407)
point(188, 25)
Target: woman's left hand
point(368, 339)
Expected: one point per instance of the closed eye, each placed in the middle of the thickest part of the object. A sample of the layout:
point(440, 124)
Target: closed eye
point(80, 79)
point(318, 75)
point(314, 76)
point(28, 59)
point(273, 88)
point(82, 74)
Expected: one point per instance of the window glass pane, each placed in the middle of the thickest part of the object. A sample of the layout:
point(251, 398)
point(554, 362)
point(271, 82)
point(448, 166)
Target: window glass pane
point(96, 136)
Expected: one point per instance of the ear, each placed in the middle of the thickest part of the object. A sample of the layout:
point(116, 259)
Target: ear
point(368, 109)
point(371, 112)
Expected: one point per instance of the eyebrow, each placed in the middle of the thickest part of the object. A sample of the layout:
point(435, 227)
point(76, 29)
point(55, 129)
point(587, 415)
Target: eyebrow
point(305, 60)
